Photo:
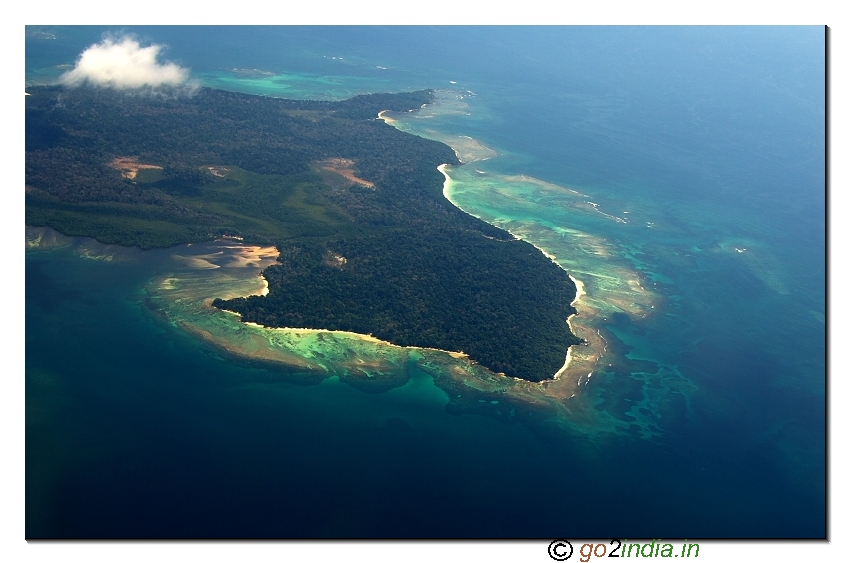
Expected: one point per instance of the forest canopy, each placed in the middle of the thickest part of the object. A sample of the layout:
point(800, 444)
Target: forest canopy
point(368, 244)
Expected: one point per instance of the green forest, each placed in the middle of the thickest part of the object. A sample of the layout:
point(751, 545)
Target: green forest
point(394, 259)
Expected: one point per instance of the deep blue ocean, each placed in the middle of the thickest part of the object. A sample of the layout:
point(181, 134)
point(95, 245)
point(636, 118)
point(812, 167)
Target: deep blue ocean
point(699, 237)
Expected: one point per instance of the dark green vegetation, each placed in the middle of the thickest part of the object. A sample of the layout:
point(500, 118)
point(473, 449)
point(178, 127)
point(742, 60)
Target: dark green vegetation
point(397, 261)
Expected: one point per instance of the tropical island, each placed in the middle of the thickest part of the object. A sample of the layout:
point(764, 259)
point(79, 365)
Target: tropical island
point(367, 242)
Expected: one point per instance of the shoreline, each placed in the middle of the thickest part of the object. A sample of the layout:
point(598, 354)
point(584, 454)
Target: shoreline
point(578, 284)
point(260, 342)
point(363, 361)
point(579, 292)
point(384, 118)
point(357, 335)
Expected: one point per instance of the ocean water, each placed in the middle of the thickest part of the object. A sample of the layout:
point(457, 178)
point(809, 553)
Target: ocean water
point(677, 173)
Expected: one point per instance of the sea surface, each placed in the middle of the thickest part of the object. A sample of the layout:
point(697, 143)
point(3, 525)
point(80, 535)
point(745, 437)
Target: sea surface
point(676, 172)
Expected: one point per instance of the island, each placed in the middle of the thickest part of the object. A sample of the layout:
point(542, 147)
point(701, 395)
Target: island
point(367, 241)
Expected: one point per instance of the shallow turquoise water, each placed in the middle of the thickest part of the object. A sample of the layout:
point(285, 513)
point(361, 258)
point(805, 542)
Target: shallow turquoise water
point(716, 382)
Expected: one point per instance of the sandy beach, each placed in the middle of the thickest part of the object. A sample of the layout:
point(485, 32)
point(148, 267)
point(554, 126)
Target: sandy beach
point(576, 365)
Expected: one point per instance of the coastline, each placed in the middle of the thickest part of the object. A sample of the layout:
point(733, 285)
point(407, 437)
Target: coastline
point(185, 298)
point(579, 368)
point(384, 118)
point(182, 296)
point(363, 337)
point(579, 293)
point(607, 287)
point(180, 299)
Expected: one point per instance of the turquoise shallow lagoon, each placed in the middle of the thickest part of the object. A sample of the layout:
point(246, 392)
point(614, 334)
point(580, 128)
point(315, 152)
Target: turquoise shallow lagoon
point(677, 173)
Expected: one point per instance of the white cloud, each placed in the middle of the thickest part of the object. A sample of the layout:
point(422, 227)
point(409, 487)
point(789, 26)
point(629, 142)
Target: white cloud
point(123, 63)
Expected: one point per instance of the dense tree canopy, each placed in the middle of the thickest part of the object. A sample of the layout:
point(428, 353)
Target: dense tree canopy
point(394, 259)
